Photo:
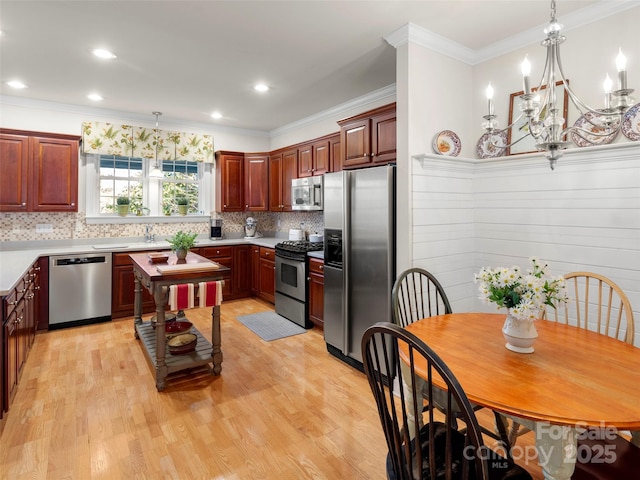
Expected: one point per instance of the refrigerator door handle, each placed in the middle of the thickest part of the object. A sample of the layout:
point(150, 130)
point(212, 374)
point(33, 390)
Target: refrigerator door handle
point(346, 241)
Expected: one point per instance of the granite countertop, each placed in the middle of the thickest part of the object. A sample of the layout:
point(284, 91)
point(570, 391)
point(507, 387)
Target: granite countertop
point(17, 257)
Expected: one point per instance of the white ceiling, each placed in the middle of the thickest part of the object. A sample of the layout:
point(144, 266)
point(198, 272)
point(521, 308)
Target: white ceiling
point(189, 58)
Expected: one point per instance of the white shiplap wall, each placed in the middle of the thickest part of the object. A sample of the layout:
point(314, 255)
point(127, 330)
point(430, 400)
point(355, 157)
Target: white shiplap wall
point(585, 215)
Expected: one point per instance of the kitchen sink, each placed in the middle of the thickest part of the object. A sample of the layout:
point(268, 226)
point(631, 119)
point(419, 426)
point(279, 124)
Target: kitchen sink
point(110, 246)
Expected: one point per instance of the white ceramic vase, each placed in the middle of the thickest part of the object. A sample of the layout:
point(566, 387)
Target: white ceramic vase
point(519, 334)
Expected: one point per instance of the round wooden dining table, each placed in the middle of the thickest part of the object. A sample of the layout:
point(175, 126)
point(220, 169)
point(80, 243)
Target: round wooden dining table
point(575, 378)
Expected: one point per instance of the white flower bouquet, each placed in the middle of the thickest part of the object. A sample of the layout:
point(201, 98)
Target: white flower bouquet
point(524, 295)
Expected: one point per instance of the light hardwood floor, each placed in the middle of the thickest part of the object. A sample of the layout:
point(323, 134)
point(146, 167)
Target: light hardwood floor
point(87, 408)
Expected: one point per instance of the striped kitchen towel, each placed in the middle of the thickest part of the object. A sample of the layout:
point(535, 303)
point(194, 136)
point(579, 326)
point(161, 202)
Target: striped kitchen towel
point(181, 296)
point(210, 293)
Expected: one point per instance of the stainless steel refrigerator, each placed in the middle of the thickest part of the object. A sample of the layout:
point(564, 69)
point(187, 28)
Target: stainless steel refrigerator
point(359, 270)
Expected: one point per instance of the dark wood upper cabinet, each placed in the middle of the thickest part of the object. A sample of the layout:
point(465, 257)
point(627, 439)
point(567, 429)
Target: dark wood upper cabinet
point(335, 159)
point(289, 172)
point(383, 137)
point(369, 138)
point(230, 181)
point(275, 182)
point(54, 174)
point(313, 158)
point(283, 167)
point(305, 161)
point(256, 182)
point(321, 156)
point(38, 172)
point(14, 166)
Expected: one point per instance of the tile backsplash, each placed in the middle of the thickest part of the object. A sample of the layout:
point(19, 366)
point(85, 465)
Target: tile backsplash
point(24, 226)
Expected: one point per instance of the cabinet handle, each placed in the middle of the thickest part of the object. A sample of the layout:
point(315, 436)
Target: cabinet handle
point(73, 204)
point(37, 287)
point(217, 252)
point(366, 155)
point(29, 297)
point(225, 205)
point(37, 269)
point(15, 302)
point(19, 319)
point(373, 155)
point(321, 267)
point(23, 204)
point(246, 206)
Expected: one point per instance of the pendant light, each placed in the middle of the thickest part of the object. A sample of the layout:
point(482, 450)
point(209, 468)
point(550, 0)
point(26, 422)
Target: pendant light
point(156, 172)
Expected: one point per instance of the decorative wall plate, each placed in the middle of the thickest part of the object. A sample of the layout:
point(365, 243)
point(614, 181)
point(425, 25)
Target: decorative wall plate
point(631, 123)
point(447, 143)
point(492, 144)
point(591, 122)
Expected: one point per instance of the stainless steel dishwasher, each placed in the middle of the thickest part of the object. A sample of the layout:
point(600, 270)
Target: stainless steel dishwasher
point(79, 289)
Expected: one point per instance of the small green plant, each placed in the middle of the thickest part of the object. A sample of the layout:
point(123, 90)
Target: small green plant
point(122, 201)
point(182, 201)
point(182, 240)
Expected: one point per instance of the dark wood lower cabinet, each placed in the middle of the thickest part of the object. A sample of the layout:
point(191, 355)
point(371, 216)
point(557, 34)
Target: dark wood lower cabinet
point(122, 289)
point(267, 275)
point(255, 269)
point(19, 322)
point(316, 291)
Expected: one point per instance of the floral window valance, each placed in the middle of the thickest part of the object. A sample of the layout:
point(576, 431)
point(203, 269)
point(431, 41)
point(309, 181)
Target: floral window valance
point(131, 141)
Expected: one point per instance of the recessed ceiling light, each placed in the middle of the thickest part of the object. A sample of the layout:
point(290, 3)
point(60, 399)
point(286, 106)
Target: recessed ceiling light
point(16, 84)
point(216, 115)
point(95, 97)
point(99, 52)
point(261, 87)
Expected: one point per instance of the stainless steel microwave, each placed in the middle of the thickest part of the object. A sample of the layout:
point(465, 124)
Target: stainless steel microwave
point(306, 193)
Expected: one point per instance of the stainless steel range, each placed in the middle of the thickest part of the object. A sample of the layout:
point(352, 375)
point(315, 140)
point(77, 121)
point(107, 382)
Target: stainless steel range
point(292, 292)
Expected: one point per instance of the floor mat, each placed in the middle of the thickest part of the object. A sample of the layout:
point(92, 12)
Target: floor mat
point(270, 326)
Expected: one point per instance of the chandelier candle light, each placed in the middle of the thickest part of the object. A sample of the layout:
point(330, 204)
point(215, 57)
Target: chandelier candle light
point(544, 118)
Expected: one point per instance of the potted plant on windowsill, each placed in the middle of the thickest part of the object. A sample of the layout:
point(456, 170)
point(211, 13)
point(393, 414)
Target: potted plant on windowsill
point(122, 204)
point(183, 205)
point(182, 242)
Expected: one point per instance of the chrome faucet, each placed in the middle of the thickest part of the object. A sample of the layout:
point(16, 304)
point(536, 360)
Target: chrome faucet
point(148, 236)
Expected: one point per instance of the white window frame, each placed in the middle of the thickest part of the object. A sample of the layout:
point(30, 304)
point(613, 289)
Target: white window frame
point(151, 189)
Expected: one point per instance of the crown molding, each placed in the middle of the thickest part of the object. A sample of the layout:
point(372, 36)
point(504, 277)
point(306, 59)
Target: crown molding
point(415, 34)
point(388, 92)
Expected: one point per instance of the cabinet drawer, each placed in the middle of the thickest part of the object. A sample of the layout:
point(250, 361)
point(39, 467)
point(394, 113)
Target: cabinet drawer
point(215, 252)
point(120, 259)
point(316, 265)
point(10, 302)
point(226, 262)
point(268, 253)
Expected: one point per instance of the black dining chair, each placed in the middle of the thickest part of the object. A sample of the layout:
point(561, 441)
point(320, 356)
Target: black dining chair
point(438, 450)
point(417, 294)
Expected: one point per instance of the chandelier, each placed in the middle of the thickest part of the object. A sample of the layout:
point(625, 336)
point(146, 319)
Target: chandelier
point(539, 108)
point(156, 172)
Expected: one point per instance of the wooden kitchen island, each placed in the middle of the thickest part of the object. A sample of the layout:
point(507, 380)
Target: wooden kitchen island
point(192, 270)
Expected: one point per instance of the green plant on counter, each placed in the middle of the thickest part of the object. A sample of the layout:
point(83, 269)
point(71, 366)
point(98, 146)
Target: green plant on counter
point(182, 201)
point(122, 206)
point(182, 240)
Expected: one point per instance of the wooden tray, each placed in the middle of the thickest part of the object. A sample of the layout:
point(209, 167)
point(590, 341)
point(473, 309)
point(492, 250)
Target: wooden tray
point(187, 267)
